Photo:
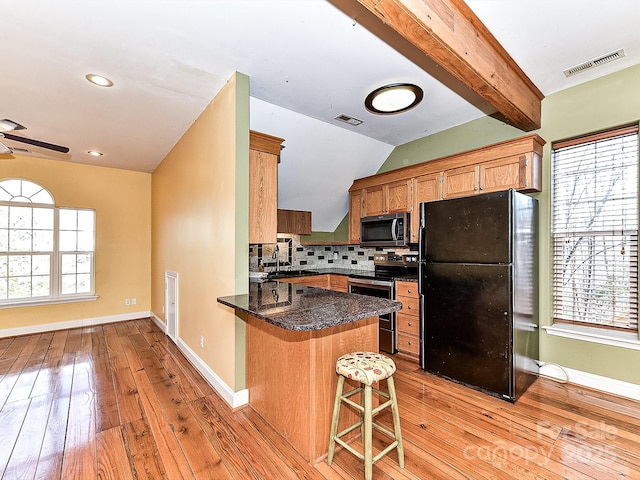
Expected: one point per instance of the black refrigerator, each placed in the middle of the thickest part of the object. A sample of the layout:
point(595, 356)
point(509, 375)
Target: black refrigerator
point(478, 291)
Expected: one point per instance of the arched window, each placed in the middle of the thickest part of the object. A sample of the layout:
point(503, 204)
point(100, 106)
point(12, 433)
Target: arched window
point(46, 253)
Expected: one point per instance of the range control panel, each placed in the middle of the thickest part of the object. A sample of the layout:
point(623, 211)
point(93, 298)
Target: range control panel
point(395, 259)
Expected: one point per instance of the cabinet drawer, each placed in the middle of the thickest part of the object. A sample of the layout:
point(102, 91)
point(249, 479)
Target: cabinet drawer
point(407, 289)
point(408, 344)
point(408, 324)
point(410, 306)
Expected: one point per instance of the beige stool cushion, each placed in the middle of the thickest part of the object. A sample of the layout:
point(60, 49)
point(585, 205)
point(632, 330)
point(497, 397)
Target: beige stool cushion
point(365, 367)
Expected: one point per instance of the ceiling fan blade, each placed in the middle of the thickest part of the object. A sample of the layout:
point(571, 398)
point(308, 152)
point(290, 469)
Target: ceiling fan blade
point(4, 149)
point(36, 143)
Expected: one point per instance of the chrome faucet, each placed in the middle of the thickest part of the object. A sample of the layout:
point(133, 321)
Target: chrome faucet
point(276, 257)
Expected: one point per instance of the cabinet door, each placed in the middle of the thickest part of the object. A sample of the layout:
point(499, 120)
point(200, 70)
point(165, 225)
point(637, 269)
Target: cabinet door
point(339, 283)
point(355, 214)
point(375, 201)
point(399, 196)
point(263, 197)
point(426, 188)
point(503, 174)
point(459, 182)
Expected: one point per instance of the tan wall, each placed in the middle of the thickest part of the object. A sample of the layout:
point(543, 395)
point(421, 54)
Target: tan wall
point(123, 236)
point(194, 231)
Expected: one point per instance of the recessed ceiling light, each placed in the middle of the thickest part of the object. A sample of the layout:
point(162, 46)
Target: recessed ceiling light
point(95, 153)
point(99, 80)
point(394, 98)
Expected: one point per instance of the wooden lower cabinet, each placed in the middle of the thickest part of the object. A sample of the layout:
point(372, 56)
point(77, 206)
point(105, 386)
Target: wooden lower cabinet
point(408, 320)
point(334, 282)
point(338, 283)
point(320, 281)
point(291, 377)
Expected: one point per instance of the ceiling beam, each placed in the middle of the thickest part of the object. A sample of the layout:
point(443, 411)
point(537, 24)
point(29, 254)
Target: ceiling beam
point(448, 41)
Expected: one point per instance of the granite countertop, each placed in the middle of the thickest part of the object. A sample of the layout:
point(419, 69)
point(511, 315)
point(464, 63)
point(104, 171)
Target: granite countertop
point(301, 308)
point(336, 271)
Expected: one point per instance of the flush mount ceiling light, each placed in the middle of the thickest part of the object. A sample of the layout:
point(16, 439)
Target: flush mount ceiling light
point(394, 98)
point(95, 153)
point(99, 80)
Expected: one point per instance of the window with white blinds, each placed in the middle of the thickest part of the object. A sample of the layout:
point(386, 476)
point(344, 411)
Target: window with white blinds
point(595, 229)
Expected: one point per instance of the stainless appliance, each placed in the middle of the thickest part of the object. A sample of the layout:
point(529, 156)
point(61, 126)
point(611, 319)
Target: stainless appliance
point(477, 281)
point(381, 283)
point(390, 230)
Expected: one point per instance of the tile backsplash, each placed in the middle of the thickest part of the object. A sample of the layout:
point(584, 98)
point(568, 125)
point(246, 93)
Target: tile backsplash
point(294, 256)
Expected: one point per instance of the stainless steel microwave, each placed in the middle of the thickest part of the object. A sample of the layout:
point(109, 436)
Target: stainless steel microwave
point(390, 230)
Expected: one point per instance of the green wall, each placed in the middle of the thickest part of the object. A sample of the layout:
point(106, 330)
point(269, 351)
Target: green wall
point(596, 105)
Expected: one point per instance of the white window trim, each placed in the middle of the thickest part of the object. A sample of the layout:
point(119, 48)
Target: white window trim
point(614, 338)
point(49, 301)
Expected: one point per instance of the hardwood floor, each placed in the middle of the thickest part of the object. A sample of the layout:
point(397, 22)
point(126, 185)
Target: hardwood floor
point(119, 401)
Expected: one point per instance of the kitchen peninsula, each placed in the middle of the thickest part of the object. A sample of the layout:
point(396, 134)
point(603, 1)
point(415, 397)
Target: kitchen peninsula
point(294, 335)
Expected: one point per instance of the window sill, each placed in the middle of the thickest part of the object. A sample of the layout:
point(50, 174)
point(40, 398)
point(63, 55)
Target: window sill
point(613, 338)
point(50, 301)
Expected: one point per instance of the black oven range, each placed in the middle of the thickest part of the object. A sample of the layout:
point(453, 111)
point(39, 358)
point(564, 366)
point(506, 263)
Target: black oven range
point(381, 283)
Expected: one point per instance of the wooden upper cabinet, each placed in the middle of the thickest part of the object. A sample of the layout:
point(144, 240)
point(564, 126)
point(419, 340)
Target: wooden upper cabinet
point(459, 182)
point(375, 201)
point(387, 198)
point(426, 188)
point(515, 163)
point(355, 214)
point(264, 155)
point(294, 221)
point(511, 172)
point(399, 196)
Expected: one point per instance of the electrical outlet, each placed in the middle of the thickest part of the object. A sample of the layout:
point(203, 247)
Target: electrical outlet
point(133, 301)
point(127, 301)
point(201, 341)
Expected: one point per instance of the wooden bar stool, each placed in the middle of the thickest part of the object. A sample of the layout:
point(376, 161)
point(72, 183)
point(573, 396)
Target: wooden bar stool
point(366, 368)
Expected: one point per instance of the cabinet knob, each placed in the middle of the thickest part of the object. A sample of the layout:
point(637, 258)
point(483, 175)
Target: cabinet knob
point(409, 342)
point(408, 307)
point(409, 324)
point(409, 290)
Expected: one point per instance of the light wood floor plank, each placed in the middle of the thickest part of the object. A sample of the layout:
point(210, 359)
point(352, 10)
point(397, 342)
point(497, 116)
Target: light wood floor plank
point(171, 455)
point(113, 460)
point(11, 418)
point(80, 444)
point(26, 451)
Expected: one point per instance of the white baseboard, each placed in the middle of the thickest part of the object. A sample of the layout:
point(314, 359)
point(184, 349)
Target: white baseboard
point(234, 399)
point(597, 382)
point(83, 322)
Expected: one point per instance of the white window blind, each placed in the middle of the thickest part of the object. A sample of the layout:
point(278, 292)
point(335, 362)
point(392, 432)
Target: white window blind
point(595, 229)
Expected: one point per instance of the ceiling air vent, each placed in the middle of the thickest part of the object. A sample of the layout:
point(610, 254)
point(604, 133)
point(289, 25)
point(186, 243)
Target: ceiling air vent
point(596, 62)
point(343, 117)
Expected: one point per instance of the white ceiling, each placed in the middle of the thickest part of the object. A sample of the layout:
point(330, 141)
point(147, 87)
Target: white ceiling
point(307, 62)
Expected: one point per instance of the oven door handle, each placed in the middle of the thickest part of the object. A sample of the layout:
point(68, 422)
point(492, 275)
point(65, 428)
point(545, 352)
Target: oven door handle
point(368, 283)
